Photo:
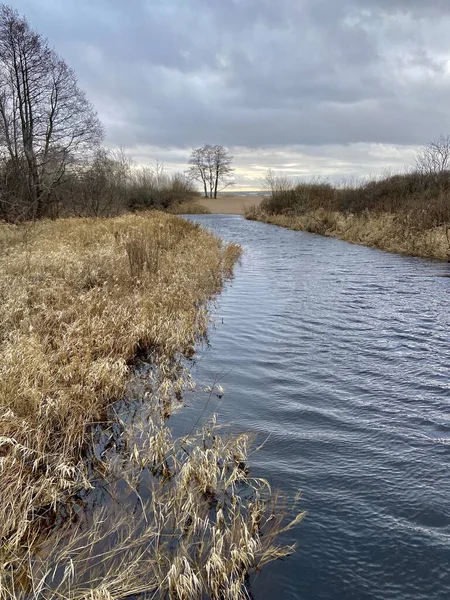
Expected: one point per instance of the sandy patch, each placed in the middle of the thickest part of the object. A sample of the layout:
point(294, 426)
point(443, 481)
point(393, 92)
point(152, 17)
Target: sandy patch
point(229, 205)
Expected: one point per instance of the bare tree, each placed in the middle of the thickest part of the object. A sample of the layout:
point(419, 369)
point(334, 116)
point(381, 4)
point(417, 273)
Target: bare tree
point(198, 171)
point(46, 122)
point(434, 158)
point(211, 165)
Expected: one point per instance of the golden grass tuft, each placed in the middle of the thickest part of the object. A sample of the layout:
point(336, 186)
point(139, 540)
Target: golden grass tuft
point(197, 535)
point(80, 299)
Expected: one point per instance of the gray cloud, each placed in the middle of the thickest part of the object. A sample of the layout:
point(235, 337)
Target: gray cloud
point(292, 76)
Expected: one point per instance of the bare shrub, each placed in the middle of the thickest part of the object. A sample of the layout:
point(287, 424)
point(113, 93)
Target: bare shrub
point(434, 158)
point(153, 187)
point(288, 196)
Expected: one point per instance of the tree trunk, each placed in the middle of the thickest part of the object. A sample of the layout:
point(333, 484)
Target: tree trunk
point(216, 182)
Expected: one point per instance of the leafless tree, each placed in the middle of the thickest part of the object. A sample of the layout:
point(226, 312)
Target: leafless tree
point(46, 122)
point(434, 158)
point(198, 171)
point(211, 165)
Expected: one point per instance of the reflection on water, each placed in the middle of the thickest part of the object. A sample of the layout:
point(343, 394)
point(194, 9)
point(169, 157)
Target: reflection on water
point(339, 356)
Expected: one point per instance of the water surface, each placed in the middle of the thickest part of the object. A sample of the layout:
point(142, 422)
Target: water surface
point(339, 355)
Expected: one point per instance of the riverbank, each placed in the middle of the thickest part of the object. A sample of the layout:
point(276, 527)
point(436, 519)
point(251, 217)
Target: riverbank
point(81, 299)
point(383, 231)
point(407, 213)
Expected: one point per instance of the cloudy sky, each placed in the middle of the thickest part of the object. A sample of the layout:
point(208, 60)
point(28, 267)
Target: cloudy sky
point(331, 88)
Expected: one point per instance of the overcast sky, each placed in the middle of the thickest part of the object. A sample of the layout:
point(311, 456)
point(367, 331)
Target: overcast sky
point(336, 88)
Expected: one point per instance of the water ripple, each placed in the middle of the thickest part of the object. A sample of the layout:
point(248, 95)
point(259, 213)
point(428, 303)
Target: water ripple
point(338, 357)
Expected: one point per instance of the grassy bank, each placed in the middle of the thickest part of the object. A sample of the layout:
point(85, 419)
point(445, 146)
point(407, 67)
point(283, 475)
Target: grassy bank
point(408, 214)
point(80, 299)
point(188, 208)
point(383, 231)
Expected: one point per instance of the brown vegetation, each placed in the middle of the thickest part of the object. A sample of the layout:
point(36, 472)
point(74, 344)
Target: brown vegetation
point(188, 208)
point(153, 187)
point(407, 213)
point(80, 299)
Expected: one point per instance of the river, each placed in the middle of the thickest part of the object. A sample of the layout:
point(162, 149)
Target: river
point(339, 355)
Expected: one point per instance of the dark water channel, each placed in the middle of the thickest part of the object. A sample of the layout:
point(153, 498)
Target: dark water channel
point(340, 355)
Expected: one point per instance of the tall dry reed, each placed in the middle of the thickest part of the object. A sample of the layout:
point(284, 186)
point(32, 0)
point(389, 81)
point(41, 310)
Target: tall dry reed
point(80, 300)
point(407, 213)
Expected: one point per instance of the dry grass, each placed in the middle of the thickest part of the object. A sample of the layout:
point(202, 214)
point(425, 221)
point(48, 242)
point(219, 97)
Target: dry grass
point(188, 208)
point(80, 299)
point(387, 231)
point(205, 526)
point(408, 213)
